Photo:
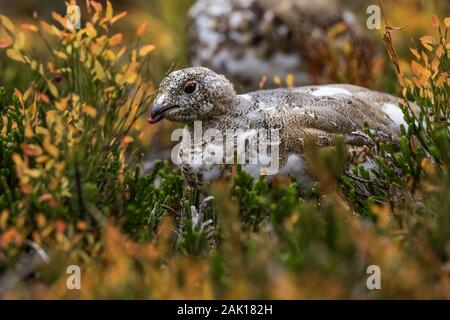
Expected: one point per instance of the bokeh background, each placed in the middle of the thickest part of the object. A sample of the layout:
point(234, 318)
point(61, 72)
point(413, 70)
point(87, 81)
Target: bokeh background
point(168, 24)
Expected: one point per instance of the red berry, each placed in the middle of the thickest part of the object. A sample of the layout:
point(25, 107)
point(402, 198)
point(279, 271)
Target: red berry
point(58, 78)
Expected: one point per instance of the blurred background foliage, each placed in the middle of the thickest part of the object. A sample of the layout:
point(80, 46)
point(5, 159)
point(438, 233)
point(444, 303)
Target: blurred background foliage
point(167, 20)
point(81, 180)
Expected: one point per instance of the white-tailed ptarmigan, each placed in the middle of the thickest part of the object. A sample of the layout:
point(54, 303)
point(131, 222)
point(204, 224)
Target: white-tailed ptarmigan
point(316, 41)
point(322, 113)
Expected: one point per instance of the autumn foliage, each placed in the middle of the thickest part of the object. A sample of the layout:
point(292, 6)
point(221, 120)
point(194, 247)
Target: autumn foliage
point(73, 191)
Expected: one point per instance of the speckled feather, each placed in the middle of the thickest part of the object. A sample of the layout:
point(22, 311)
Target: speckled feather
point(316, 112)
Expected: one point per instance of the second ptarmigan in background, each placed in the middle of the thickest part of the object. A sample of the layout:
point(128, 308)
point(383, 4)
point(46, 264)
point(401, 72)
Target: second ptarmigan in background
point(318, 113)
point(315, 41)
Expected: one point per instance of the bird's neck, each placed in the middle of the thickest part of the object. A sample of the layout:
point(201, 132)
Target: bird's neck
point(241, 106)
point(238, 109)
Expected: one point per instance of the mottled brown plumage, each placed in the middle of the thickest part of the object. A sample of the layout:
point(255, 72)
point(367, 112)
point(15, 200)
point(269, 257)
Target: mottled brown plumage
point(321, 113)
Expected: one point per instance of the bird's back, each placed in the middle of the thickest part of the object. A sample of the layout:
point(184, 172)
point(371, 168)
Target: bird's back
point(334, 108)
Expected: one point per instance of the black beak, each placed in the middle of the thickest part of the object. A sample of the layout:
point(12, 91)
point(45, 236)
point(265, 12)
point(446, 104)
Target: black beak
point(158, 112)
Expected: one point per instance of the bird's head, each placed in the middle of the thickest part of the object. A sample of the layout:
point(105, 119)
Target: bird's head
point(192, 94)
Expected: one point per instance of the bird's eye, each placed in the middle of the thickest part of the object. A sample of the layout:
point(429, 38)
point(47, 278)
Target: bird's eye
point(190, 87)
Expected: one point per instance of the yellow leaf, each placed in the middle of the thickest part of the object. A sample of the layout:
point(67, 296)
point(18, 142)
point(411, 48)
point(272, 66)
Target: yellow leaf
point(50, 148)
point(119, 78)
point(27, 93)
point(425, 58)
point(7, 23)
point(121, 52)
point(62, 104)
point(131, 77)
point(146, 49)
point(59, 19)
point(290, 80)
point(90, 30)
point(28, 131)
point(5, 42)
point(337, 29)
point(383, 214)
point(109, 10)
point(60, 55)
point(15, 55)
point(428, 167)
point(33, 173)
point(42, 130)
point(90, 110)
point(99, 71)
point(128, 139)
point(447, 22)
point(102, 121)
point(52, 88)
point(108, 54)
point(277, 80)
point(41, 220)
point(4, 218)
point(47, 28)
point(56, 31)
point(119, 16)
point(415, 53)
point(33, 65)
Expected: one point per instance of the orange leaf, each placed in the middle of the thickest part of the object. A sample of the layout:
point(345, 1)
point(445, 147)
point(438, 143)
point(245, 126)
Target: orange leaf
point(416, 68)
point(43, 97)
point(59, 19)
point(440, 51)
point(31, 150)
point(441, 80)
point(435, 21)
point(97, 6)
point(5, 42)
point(29, 27)
point(146, 49)
point(116, 40)
point(45, 197)
point(142, 28)
point(60, 225)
